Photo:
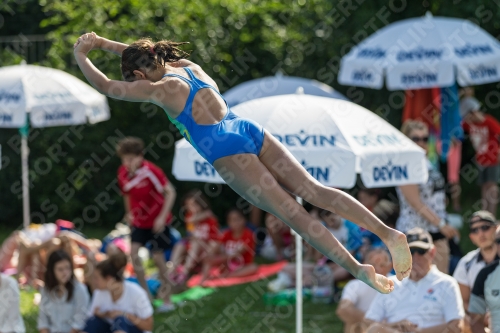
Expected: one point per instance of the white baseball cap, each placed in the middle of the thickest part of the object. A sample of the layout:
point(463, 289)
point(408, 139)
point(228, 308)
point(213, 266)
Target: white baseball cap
point(469, 104)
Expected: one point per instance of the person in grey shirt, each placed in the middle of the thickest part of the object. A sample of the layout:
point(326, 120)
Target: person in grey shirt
point(10, 313)
point(65, 301)
point(485, 295)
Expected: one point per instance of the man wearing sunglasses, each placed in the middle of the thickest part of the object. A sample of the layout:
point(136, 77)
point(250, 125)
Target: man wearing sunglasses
point(486, 295)
point(482, 225)
point(428, 301)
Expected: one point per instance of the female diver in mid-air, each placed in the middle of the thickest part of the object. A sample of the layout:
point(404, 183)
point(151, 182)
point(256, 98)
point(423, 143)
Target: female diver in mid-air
point(250, 160)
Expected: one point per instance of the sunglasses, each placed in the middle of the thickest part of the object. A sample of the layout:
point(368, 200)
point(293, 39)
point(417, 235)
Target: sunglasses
point(483, 228)
point(418, 250)
point(423, 139)
point(497, 240)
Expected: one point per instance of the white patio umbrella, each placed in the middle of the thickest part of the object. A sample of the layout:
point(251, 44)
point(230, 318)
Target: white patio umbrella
point(333, 139)
point(50, 97)
point(278, 85)
point(423, 52)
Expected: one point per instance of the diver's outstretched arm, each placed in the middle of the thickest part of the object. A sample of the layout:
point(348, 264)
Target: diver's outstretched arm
point(105, 44)
point(110, 45)
point(139, 91)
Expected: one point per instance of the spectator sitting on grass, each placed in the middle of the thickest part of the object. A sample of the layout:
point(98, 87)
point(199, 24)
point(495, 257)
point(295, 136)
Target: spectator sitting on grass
point(118, 305)
point(7, 250)
point(64, 302)
point(235, 257)
point(428, 301)
point(278, 244)
point(10, 312)
point(202, 241)
point(116, 246)
point(37, 242)
point(357, 296)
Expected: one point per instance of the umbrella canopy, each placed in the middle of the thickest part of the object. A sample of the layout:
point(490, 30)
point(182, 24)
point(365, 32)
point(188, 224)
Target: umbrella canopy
point(278, 85)
point(333, 139)
point(51, 96)
point(423, 52)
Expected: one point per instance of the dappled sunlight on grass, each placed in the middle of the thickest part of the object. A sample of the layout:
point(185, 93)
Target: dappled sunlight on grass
point(28, 310)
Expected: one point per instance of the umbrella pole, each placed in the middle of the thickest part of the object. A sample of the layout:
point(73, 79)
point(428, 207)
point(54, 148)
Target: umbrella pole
point(298, 279)
point(25, 172)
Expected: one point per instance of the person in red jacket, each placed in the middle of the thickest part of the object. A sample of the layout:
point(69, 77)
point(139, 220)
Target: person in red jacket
point(235, 256)
point(148, 198)
point(484, 133)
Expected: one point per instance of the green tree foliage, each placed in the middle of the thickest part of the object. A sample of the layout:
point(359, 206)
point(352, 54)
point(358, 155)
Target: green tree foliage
point(233, 40)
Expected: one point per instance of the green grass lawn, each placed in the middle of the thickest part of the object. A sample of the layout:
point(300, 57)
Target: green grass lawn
point(233, 309)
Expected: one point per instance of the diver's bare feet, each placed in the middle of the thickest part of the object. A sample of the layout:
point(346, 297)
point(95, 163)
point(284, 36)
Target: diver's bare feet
point(378, 282)
point(400, 252)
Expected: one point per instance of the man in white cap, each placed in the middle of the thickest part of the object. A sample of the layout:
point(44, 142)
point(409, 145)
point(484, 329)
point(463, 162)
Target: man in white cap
point(484, 133)
point(486, 295)
point(427, 302)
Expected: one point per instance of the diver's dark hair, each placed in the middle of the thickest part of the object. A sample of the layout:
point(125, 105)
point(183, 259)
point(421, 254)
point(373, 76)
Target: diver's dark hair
point(144, 53)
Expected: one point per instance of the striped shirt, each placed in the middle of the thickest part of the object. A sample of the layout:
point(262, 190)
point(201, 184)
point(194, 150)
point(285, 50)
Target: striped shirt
point(468, 267)
point(145, 190)
point(485, 294)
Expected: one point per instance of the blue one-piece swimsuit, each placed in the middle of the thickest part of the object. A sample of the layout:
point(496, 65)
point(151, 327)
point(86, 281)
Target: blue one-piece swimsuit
point(232, 135)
